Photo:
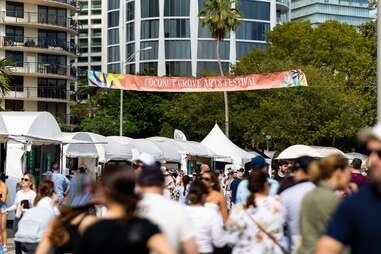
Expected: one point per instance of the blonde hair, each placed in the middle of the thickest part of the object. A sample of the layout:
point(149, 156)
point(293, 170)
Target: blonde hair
point(324, 169)
point(32, 181)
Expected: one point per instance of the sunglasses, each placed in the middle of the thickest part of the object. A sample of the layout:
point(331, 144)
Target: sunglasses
point(25, 179)
point(378, 152)
point(207, 179)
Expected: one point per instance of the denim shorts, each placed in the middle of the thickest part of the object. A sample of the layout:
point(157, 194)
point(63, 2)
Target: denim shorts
point(3, 206)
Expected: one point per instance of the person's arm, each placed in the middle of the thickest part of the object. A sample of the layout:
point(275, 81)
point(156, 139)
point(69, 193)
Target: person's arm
point(159, 244)
point(328, 245)
point(223, 208)
point(4, 192)
point(67, 185)
point(217, 231)
point(189, 247)
point(45, 246)
point(15, 203)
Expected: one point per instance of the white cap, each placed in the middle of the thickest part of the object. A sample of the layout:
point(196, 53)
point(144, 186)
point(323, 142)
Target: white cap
point(146, 158)
point(367, 133)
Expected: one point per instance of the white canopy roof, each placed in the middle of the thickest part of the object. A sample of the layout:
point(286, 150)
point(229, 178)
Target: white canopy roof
point(352, 156)
point(221, 145)
point(296, 151)
point(118, 149)
point(94, 150)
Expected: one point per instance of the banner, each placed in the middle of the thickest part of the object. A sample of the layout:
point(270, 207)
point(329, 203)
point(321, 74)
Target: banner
point(283, 79)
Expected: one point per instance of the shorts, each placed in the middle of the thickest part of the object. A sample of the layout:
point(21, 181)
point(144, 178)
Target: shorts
point(3, 206)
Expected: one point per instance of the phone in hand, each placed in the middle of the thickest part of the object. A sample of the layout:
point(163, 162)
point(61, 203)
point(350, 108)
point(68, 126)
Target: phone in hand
point(25, 204)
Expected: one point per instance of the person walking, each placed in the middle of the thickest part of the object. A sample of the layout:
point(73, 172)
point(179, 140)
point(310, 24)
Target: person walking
point(330, 175)
point(238, 175)
point(356, 222)
point(61, 183)
point(3, 214)
point(24, 200)
point(207, 222)
point(357, 177)
point(257, 226)
point(183, 189)
point(169, 215)
point(215, 198)
point(122, 231)
point(34, 222)
point(78, 211)
point(293, 196)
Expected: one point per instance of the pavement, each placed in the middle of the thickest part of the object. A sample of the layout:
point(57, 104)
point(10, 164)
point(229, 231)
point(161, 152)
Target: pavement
point(11, 242)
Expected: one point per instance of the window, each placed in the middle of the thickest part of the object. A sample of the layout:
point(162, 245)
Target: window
point(113, 4)
point(55, 64)
point(113, 19)
point(16, 83)
point(82, 59)
point(84, 13)
point(130, 32)
point(130, 50)
point(14, 105)
point(52, 88)
point(149, 54)
point(96, 58)
point(15, 58)
point(53, 16)
point(211, 68)
point(113, 54)
point(83, 5)
point(252, 31)
point(148, 68)
point(96, 21)
point(245, 47)
point(55, 108)
point(130, 11)
point(203, 31)
point(96, 49)
point(96, 68)
point(14, 9)
point(113, 36)
point(149, 8)
point(130, 68)
point(96, 12)
point(83, 22)
point(14, 33)
point(177, 50)
point(176, 28)
point(251, 9)
point(113, 68)
point(207, 50)
point(96, 32)
point(150, 29)
point(176, 8)
point(48, 38)
point(178, 68)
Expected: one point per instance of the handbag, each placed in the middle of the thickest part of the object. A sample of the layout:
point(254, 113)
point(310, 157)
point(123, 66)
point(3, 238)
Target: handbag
point(269, 235)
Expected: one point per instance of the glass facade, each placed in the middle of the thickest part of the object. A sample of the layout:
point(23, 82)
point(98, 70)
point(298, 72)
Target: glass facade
point(207, 50)
point(149, 8)
point(113, 19)
point(130, 32)
point(178, 68)
point(113, 54)
point(244, 47)
point(252, 31)
point(113, 36)
point(211, 68)
point(149, 29)
point(250, 9)
point(176, 8)
point(177, 50)
point(149, 54)
point(176, 28)
point(130, 11)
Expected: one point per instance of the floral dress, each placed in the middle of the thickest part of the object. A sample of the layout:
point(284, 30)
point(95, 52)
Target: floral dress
point(244, 235)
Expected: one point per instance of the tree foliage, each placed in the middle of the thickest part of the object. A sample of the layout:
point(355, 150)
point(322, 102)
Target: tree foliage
point(338, 60)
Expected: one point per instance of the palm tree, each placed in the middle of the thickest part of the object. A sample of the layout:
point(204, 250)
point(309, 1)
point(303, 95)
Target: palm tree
point(220, 17)
point(4, 76)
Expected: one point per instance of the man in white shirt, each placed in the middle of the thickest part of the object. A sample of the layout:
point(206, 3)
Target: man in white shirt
point(293, 196)
point(170, 216)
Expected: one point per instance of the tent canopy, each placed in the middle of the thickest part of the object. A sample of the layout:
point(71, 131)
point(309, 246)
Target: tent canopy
point(116, 149)
point(296, 151)
point(217, 142)
point(93, 150)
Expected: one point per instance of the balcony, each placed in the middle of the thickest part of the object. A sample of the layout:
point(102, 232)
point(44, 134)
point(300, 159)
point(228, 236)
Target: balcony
point(47, 70)
point(47, 94)
point(39, 45)
point(69, 4)
point(37, 20)
point(283, 5)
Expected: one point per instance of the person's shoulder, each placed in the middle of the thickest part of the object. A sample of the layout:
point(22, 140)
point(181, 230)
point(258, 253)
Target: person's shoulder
point(361, 196)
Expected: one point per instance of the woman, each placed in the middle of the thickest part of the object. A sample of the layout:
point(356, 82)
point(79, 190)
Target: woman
point(34, 222)
point(3, 214)
point(64, 233)
point(207, 222)
point(215, 198)
point(23, 201)
point(330, 175)
point(257, 226)
point(182, 190)
point(134, 235)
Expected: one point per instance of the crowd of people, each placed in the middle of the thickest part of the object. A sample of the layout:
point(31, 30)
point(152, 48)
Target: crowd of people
point(323, 206)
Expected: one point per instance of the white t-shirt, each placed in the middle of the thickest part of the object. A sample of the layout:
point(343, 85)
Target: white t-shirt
point(292, 199)
point(20, 196)
point(208, 226)
point(170, 216)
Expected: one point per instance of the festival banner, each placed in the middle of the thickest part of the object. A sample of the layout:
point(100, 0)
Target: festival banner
point(285, 79)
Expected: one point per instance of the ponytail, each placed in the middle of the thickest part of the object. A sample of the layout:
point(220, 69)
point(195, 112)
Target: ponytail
point(257, 184)
point(186, 181)
point(46, 189)
point(324, 169)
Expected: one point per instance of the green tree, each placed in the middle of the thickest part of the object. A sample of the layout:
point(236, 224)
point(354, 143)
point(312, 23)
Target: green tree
point(4, 76)
point(220, 18)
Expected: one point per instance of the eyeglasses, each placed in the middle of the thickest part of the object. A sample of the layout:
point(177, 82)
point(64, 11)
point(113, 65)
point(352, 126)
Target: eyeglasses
point(25, 179)
point(378, 152)
point(206, 179)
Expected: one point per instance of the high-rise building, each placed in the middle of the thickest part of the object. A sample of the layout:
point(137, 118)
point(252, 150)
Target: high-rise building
point(37, 38)
point(353, 12)
point(166, 36)
point(90, 36)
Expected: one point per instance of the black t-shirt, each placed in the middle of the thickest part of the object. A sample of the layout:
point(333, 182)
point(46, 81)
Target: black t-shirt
point(356, 222)
point(116, 236)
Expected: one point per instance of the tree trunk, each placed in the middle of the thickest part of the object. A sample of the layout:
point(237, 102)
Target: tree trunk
point(226, 99)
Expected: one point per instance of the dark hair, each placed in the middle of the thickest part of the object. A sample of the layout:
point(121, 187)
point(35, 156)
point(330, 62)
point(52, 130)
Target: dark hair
point(356, 163)
point(196, 191)
point(282, 162)
point(214, 180)
point(302, 163)
point(324, 169)
point(186, 180)
point(257, 183)
point(118, 183)
point(46, 189)
point(151, 176)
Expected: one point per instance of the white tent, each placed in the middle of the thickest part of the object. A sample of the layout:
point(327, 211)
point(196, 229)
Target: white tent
point(116, 149)
point(296, 151)
point(93, 150)
point(217, 142)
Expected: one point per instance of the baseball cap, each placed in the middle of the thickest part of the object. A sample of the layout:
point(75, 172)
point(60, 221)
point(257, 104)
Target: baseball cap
point(258, 162)
point(145, 158)
point(367, 133)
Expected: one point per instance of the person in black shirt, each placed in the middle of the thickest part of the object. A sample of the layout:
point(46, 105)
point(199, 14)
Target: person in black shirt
point(234, 184)
point(121, 231)
point(282, 171)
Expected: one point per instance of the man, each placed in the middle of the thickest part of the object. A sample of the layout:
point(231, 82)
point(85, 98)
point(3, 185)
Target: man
point(356, 223)
point(61, 183)
point(357, 178)
point(170, 216)
point(235, 183)
point(293, 196)
point(204, 168)
point(282, 171)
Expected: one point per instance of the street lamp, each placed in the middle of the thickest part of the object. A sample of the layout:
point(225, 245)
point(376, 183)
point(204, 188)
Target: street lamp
point(121, 90)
